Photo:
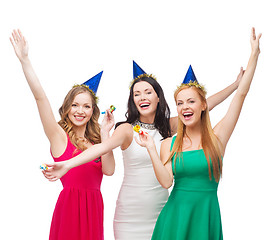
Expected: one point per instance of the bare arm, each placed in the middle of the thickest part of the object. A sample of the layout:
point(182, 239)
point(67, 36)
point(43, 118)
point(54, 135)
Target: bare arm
point(225, 127)
point(163, 172)
point(53, 131)
point(219, 97)
point(122, 135)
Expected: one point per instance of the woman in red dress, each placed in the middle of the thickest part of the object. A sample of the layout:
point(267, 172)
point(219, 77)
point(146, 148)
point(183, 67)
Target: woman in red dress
point(79, 210)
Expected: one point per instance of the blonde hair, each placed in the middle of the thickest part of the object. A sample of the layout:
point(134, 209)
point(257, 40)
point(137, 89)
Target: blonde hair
point(92, 132)
point(209, 141)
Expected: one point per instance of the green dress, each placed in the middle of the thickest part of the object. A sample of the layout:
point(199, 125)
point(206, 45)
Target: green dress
point(192, 211)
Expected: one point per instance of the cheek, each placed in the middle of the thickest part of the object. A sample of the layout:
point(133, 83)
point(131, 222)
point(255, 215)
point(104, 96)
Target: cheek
point(89, 112)
point(179, 108)
point(71, 112)
point(135, 99)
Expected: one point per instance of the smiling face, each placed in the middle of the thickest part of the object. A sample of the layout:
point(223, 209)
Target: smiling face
point(81, 109)
point(145, 99)
point(190, 107)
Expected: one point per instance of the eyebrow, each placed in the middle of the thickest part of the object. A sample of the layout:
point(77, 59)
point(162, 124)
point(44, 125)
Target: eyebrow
point(186, 100)
point(74, 102)
point(147, 89)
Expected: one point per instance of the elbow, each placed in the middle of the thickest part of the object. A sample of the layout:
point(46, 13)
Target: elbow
point(108, 172)
point(167, 185)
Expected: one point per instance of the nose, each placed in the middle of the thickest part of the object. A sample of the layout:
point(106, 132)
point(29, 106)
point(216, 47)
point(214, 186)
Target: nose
point(80, 109)
point(142, 96)
point(184, 106)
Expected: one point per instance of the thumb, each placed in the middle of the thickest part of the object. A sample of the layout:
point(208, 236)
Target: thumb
point(50, 164)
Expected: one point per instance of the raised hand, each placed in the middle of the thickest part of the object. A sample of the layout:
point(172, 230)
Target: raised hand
point(254, 41)
point(240, 75)
point(20, 45)
point(108, 121)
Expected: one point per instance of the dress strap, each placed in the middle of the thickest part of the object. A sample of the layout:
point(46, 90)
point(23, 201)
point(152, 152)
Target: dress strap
point(172, 143)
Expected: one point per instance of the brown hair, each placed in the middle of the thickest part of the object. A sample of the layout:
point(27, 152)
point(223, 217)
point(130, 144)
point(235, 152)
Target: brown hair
point(92, 132)
point(209, 141)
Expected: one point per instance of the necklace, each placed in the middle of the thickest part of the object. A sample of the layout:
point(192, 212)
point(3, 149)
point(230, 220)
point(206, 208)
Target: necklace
point(149, 126)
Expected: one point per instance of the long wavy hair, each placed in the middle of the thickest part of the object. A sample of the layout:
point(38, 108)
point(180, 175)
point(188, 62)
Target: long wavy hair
point(209, 141)
point(92, 132)
point(162, 116)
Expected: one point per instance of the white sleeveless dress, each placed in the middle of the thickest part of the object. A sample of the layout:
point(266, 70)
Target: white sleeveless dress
point(141, 197)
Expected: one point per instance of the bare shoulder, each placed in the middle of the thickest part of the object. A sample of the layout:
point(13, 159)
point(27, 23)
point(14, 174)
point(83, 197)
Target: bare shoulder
point(125, 132)
point(174, 124)
point(125, 128)
point(166, 143)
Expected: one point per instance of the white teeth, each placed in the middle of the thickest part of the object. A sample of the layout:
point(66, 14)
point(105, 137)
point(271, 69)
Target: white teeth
point(144, 105)
point(79, 118)
point(187, 114)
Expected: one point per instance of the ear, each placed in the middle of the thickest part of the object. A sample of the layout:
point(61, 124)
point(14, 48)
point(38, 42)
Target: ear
point(204, 106)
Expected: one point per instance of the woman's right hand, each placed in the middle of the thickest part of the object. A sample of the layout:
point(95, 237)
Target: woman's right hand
point(56, 170)
point(255, 41)
point(20, 45)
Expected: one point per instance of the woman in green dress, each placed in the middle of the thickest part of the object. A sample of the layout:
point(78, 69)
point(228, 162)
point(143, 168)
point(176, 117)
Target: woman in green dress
point(194, 159)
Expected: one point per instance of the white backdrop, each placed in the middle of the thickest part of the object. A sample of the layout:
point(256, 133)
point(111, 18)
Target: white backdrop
point(70, 41)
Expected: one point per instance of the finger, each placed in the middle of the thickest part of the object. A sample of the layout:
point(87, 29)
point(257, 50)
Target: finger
point(13, 36)
point(53, 179)
point(241, 71)
point(47, 174)
point(259, 36)
point(145, 133)
point(24, 40)
point(108, 113)
point(253, 36)
point(12, 42)
point(50, 164)
point(20, 34)
point(137, 140)
point(16, 35)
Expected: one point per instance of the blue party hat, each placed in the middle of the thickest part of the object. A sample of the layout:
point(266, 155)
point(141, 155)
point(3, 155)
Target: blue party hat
point(93, 82)
point(137, 70)
point(190, 76)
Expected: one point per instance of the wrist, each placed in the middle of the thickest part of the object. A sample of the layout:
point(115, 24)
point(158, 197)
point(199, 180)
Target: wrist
point(69, 165)
point(104, 134)
point(151, 147)
point(255, 52)
point(24, 60)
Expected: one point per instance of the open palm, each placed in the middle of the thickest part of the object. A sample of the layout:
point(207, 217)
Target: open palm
point(19, 44)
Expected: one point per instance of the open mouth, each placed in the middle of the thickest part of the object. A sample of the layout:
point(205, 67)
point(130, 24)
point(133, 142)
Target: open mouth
point(79, 118)
point(188, 115)
point(144, 105)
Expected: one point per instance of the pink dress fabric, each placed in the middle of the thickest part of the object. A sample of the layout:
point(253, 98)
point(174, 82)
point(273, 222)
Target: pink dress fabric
point(78, 213)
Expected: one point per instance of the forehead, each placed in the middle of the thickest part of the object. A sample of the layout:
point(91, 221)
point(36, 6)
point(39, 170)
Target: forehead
point(187, 93)
point(84, 97)
point(142, 86)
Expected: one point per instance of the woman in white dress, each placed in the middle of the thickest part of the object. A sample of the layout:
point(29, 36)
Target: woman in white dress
point(141, 197)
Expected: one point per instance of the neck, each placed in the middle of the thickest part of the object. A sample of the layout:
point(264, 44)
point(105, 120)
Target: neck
point(147, 119)
point(80, 131)
point(194, 134)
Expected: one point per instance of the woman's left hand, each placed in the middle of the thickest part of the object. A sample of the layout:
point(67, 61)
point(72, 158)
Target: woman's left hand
point(108, 122)
point(145, 140)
